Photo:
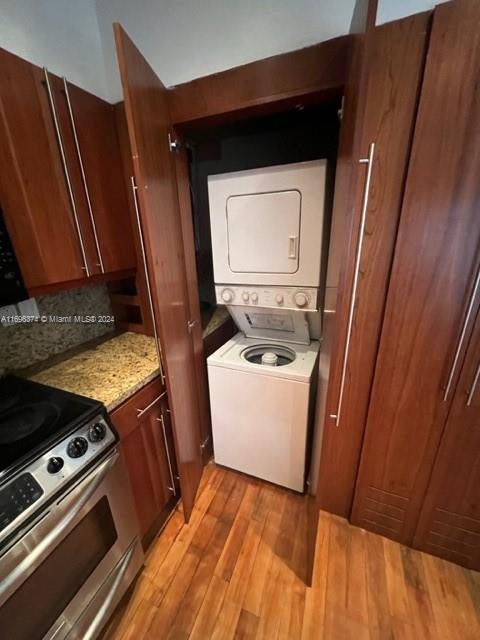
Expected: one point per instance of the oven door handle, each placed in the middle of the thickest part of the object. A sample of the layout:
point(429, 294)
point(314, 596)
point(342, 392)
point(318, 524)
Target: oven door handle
point(25, 568)
point(105, 610)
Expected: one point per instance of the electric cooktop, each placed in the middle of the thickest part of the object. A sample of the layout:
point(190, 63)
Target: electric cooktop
point(33, 416)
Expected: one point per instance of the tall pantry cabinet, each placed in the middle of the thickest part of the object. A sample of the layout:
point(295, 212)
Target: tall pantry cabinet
point(424, 407)
point(394, 61)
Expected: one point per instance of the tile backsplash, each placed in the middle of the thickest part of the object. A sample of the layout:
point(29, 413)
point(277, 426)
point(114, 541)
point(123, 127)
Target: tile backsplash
point(65, 322)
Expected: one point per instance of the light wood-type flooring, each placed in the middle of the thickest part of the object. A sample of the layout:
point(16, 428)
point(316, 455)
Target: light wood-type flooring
point(237, 571)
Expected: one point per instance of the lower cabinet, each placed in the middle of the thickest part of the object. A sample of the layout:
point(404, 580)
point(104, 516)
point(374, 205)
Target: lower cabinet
point(143, 424)
point(449, 524)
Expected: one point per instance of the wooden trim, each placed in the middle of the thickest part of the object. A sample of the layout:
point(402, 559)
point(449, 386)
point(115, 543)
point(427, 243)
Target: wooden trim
point(46, 289)
point(186, 217)
point(320, 67)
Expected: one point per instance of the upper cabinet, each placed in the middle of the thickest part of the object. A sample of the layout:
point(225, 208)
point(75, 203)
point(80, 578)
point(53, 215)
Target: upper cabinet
point(93, 120)
point(61, 184)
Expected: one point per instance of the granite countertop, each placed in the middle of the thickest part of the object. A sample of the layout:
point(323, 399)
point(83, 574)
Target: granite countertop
point(110, 372)
point(219, 316)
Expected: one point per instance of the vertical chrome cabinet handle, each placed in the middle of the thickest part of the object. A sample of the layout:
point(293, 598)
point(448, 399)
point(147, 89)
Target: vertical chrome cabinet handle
point(82, 171)
point(65, 169)
point(170, 470)
point(473, 388)
point(147, 279)
point(361, 232)
point(463, 334)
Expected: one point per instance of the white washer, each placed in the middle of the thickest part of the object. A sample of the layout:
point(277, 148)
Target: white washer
point(260, 412)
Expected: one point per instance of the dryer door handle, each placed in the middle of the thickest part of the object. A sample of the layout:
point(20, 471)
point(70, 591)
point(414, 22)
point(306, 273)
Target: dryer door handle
point(292, 247)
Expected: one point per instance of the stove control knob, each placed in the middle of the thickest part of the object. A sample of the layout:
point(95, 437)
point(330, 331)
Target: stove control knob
point(279, 298)
point(77, 447)
point(254, 297)
point(227, 295)
point(97, 432)
point(245, 296)
point(300, 299)
point(54, 464)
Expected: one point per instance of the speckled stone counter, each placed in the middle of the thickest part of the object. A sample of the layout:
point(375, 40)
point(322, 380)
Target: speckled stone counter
point(110, 372)
point(220, 315)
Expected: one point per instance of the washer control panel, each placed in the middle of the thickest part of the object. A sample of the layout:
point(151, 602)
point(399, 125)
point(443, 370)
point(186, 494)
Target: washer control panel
point(305, 298)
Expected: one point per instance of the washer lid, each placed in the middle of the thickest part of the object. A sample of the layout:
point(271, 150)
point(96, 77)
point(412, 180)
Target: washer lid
point(281, 325)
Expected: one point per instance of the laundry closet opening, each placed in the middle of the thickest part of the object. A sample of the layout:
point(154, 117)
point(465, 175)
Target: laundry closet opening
point(299, 135)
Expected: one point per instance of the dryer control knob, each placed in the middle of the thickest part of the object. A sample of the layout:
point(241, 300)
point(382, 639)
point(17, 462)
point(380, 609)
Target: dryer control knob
point(245, 296)
point(300, 299)
point(279, 298)
point(227, 295)
point(254, 297)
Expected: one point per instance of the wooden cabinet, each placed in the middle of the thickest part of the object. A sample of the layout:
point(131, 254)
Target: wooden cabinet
point(155, 187)
point(61, 184)
point(93, 120)
point(33, 191)
point(143, 424)
point(394, 59)
point(433, 294)
point(449, 524)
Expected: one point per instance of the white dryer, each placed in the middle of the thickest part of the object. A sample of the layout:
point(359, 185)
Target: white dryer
point(261, 396)
point(267, 225)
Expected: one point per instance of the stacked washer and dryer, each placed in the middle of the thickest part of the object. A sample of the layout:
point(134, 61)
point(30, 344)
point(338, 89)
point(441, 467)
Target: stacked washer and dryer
point(267, 229)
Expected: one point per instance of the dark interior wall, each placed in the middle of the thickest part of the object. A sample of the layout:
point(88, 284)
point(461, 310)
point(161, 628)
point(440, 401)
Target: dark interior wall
point(296, 136)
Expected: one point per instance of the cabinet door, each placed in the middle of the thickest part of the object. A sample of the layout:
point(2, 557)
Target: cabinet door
point(98, 153)
point(183, 184)
point(394, 62)
point(431, 301)
point(67, 147)
point(33, 191)
point(148, 466)
point(449, 524)
point(148, 122)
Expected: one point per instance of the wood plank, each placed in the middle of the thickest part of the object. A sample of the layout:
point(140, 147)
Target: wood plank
point(318, 68)
point(246, 626)
point(364, 586)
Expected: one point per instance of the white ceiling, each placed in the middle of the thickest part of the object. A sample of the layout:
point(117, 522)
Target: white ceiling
point(187, 39)
point(182, 39)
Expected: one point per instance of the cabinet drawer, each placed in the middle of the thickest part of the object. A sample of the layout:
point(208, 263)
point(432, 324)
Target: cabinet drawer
point(128, 415)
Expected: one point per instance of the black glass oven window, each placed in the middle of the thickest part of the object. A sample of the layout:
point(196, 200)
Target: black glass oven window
point(33, 608)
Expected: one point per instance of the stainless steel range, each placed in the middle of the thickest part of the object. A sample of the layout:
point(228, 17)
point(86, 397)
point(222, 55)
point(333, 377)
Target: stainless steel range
point(69, 545)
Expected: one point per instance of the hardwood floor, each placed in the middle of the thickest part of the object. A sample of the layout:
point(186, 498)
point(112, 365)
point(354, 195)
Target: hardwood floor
point(236, 571)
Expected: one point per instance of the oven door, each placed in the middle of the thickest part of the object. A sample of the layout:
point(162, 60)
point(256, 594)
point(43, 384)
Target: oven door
point(64, 576)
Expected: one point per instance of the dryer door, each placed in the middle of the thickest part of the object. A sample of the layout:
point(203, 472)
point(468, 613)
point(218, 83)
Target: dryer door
point(263, 231)
point(267, 225)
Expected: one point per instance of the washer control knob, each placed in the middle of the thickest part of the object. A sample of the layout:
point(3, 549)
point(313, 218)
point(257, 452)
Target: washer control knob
point(254, 297)
point(54, 464)
point(77, 447)
point(300, 299)
point(227, 295)
point(279, 298)
point(245, 296)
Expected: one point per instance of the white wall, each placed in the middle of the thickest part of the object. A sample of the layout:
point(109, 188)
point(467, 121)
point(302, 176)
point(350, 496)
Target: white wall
point(182, 39)
point(60, 34)
point(389, 10)
point(185, 39)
